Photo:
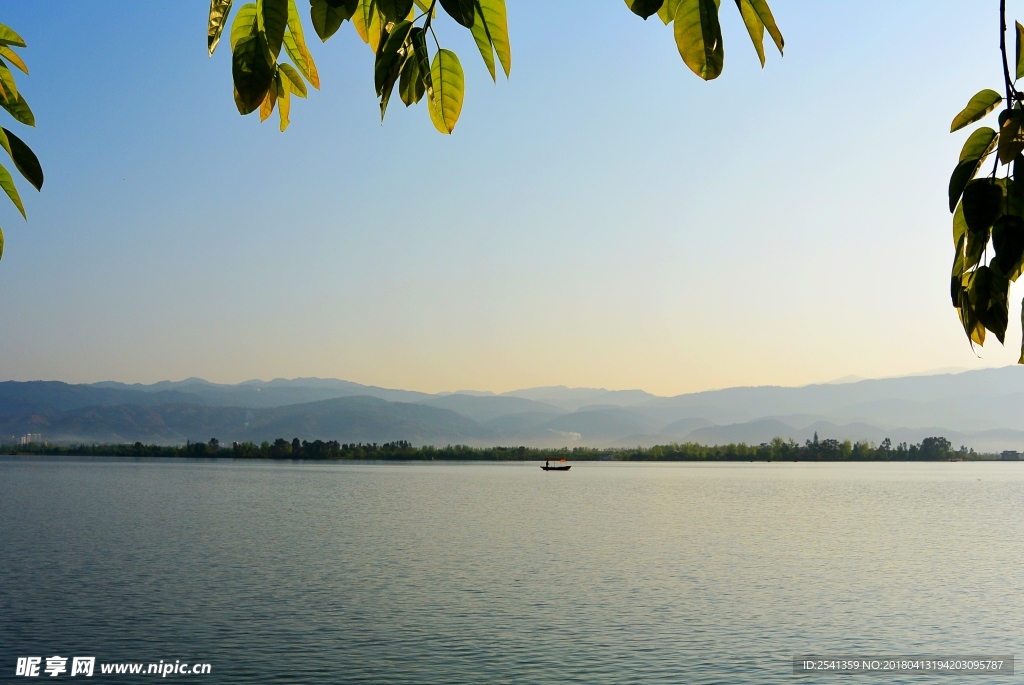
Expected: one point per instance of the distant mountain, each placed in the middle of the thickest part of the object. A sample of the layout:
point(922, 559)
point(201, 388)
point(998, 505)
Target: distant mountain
point(348, 419)
point(275, 393)
point(572, 399)
point(981, 409)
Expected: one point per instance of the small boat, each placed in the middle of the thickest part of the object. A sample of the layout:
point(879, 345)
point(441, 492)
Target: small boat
point(562, 466)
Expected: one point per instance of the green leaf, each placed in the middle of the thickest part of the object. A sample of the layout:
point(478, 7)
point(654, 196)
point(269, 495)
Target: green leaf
point(980, 105)
point(983, 201)
point(956, 275)
point(219, 10)
point(754, 27)
point(7, 183)
point(974, 330)
point(1008, 241)
point(764, 13)
point(418, 38)
point(1011, 139)
point(327, 18)
point(19, 109)
point(644, 8)
point(446, 95)
point(410, 85)
point(667, 13)
point(959, 224)
point(1020, 55)
point(390, 60)
point(303, 61)
point(296, 84)
point(250, 71)
point(24, 159)
point(988, 294)
point(1019, 361)
point(460, 10)
point(978, 146)
point(9, 37)
point(13, 58)
point(490, 30)
point(395, 10)
point(273, 20)
point(699, 37)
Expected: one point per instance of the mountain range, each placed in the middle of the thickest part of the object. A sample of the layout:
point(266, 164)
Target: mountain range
point(983, 409)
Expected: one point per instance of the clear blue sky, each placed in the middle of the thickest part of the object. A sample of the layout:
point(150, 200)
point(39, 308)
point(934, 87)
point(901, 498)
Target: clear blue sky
point(604, 218)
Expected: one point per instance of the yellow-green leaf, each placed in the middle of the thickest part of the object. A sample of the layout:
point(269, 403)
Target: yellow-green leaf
point(302, 59)
point(7, 183)
point(764, 13)
point(367, 23)
point(699, 37)
point(1011, 138)
point(267, 106)
point(483, 42)
point(284, 101)
point(244, 25)
point(667, 13)
point(295, 44)
point(7, 79)
point(980, 105)
point(9, 37)
point(754, 27)
point(19, 109)
point(296, 84)
point(494, 19)
point(446, 96)
point(13, 58)
point(24, 159)
point(219, 10)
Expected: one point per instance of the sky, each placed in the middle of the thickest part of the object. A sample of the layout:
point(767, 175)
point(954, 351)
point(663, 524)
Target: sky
point(603, 218)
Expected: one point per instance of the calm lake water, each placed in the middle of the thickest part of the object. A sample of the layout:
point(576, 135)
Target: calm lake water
point(445, 573)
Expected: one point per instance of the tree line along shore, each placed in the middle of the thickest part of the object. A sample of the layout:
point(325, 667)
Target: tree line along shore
point(929, 449)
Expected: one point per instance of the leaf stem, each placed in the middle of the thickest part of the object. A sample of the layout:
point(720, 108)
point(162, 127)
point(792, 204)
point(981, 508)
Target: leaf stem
point(1002, 48)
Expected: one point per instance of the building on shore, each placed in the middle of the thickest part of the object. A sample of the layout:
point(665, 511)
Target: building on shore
point(1011, 455)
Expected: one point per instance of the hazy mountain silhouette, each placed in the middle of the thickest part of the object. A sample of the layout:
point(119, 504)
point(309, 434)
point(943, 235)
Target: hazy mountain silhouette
point(981, 409)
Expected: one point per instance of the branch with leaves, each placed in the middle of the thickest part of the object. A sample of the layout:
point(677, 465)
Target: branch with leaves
point(401, 32)
point(988, 209)
point(12, 100)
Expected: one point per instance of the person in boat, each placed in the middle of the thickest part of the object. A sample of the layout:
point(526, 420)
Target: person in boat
point(546, 464)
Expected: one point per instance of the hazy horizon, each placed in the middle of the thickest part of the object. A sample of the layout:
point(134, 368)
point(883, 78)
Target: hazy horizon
point(486, 391)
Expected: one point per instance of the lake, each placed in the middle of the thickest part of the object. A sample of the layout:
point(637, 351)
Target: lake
point(501, 573)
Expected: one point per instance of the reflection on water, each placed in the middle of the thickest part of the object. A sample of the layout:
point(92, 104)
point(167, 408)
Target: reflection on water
point(611, 573)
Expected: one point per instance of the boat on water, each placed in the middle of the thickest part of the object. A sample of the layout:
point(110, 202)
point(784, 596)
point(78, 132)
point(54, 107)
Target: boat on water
point(558, 466)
